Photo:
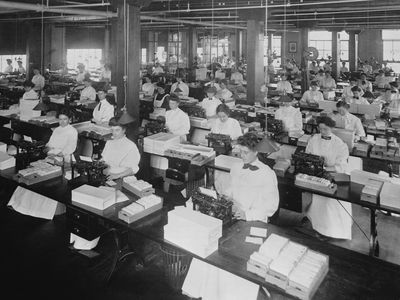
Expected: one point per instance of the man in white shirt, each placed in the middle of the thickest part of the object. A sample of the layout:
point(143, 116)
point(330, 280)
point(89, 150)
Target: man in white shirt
point(88, 93)
point(9, 68)
point(103, 111)
point(182, 86)
point(38, 80)
point(347, 120)
point(176, 121)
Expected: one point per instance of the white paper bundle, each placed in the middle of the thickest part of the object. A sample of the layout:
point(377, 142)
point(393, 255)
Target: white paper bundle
point(92, 196)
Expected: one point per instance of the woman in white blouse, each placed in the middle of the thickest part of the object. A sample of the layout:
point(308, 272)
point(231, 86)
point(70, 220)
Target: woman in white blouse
point(120, 154)
point(210, 103)
point(64, 138)
point(103, 111)
point(38, 80)
point(176, 121)
point(312, 96)
point(290, 116)
point(148, 87)
point(30, 93)
point(226, 125)
point(88, 93)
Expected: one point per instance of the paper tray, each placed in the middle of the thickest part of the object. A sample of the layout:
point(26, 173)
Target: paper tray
point(138, 193)
point(130, 219)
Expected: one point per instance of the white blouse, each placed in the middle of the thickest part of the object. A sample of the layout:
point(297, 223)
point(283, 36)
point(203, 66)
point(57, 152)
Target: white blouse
point(350, 122)
point(255, 192)
point(182, 86)
point(121, 154)
point(291, 118)
point(63, 140)
point(103, 111)
point(30, 95)
point(284, 86)
point(210, 106)
point(177, 122)
point(148, 88)
point(312, 96)
point(230, 127)
point(38, 81)
point(88, 92)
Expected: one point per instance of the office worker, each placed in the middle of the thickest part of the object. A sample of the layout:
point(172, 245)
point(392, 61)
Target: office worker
point(357, 98)
point(347, 93)
point(210, 103)
point(120, 154)
point(176, 121)
point(104, 110)
point(21, 68)
point(224, 94)
point(81, 74)
point(290, 116)
point(226, 125)
point(347, 120)
point(343, 68)
point(105, 74)
point(313, 95)
point(148, 86)
point(88, 93)
point(364, 84)
point(183, 87)
point(328, 83)
point(38, 80)
point(254, 186)
point(64, 138)
point(30, 93)
point(161, 98)
point(236, 76)
point(330, 217)
point(284, 86)
point(9, 68)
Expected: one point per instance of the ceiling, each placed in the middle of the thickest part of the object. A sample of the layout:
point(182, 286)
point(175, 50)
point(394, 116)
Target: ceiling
point(229, 14)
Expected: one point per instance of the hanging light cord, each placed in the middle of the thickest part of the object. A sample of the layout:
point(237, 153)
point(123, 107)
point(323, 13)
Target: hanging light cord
point(41, 41)
point(126, 48)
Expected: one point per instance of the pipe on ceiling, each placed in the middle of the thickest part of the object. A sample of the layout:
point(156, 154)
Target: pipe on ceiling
point(253, 7)
point(44, 8)
point(179, 21)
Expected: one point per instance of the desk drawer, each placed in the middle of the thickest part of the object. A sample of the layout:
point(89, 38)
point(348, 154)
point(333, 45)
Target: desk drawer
point(77, 215)
point(85, 232)
point(182, 165)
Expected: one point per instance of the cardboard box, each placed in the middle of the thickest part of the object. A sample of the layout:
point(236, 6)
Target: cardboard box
point(94, 197)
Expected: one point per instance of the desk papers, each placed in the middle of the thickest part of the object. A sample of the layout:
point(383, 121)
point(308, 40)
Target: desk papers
point(94, 197)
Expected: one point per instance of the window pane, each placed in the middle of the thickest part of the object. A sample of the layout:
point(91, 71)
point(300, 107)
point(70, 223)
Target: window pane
point(391, 34)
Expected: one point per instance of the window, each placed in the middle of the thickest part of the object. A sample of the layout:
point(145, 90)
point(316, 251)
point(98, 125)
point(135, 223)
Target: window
point(213, 48)
point(91, 58)
point(144, 56)
point(322, 40)
point(176, 57)
point(344, 47)
point(14, 58)
point(391, 48)
point(276, 48)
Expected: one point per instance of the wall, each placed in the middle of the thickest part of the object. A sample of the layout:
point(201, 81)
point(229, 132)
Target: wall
point(292, 37)
point(370, 44)
point(84, 38)
point(13, 38)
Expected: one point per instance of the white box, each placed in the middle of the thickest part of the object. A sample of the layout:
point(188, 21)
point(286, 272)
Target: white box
point(6, 161)
point(390, 195)
point(92, 196)
point(362, 177)
point(3, 147)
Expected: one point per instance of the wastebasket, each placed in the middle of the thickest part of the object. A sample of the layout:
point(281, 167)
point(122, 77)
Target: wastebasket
point(176, 265)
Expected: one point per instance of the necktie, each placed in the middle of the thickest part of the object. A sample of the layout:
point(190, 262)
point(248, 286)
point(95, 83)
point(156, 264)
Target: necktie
point(99, 105)
point(326, 137)
point(357, 98)
point(251, 167)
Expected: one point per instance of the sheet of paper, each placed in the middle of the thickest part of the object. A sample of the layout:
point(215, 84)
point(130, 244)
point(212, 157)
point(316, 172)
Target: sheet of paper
point(254, 240)
point(27, 138)
point(85, 158)
point(208, 192)
point(260, 232)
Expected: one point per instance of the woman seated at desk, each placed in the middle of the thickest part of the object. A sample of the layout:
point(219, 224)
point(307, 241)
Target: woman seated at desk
point(103, 111)
point(347, 93)
point(210, 103)
point(364, 84)
point(64, 138)
point(88, 93)
point(226, 125)
point(30, 93)
point(224, 94)
point(120, 154)
point(176, 121)
point(312, 96)
point(38, 80)
point(357, 99)
point(255, 196)
point(179, 87)
point(161, 98)
point(328, 83)
point(330, 217)
point(284, 86)
point(347, 120)
point(148, 86)
point(290, 116)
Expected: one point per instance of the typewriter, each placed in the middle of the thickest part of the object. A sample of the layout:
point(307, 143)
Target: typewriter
point(309, 164)
point(221, 143)
point(194, 110)
point(28, 152)
point(220, 208)
point(155, 126)
point(276, 128)
point(92, 169)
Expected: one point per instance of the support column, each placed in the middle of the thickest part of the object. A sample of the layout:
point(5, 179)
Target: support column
point(192, 51)
point(335, 54)
point(34, 49)
point(107, 44)
point(255, 60)
point(352, 51)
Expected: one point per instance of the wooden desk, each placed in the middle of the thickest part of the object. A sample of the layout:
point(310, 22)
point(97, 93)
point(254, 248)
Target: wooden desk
point(351, 275)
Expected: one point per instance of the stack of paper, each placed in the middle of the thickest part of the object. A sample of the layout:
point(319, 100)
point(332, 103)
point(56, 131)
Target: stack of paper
point(389, 196)
point(371, 190)
point(93, 196)
point(193, 231)
point(26, 109)
point(6, 161)
point(140, 188)
point(158, 143)
point(303, 140)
